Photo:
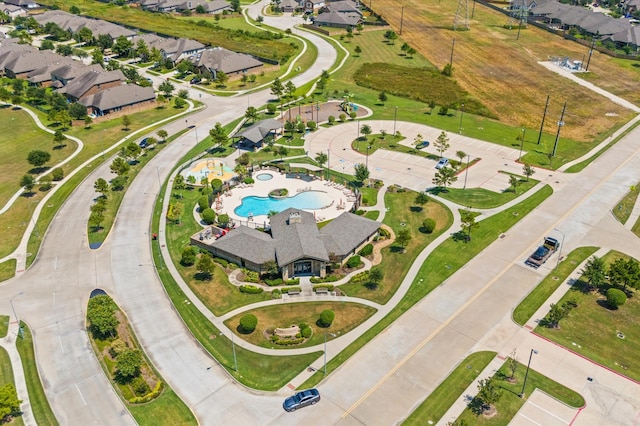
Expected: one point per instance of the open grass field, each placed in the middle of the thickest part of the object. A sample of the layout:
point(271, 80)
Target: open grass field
point(348, 316)
point(37, 398)
point(24, 137)
point(525, 310)
point(502, 73)
point(168, 24)
point(402, 213)
point(591, 328)
point(444, 396)
point(510, 402)
point(480, 198)
point(4, 325)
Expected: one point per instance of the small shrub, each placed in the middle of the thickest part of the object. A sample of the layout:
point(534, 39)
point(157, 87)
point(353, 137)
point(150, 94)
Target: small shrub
point(251, 289)
point(293, 281)
point(329, 287)
point(312, 125)
point(331, 119)
point(428, 225)
point(208, 216)
point(366, 250)
point(326, 317)
point(222, 262)
point(343, 117)
point(271, 108)
point(384, 233)
point(203, 202)
point(249, 181)
point(306, 331)
point(188, 256)
point(273, 282)
point(360, 278)
point(250, 276)
point(248, 323)
point(116, 348)
point(140, 386)
point(57, 174)
point(354, 261)
point(276, 294)
point(616, 298)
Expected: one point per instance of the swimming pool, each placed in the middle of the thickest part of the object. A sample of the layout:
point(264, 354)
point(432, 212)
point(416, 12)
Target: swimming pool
point(309, 200)
point(264, 176)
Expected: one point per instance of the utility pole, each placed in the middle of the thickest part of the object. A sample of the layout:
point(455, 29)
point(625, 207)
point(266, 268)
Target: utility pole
point(401, 19)
point(560, 124)
point(593, 44)
point(544, 115)
point(453, 44)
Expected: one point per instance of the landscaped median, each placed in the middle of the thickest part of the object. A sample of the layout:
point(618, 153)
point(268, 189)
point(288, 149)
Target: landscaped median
point(150, 400)
point(525, 310)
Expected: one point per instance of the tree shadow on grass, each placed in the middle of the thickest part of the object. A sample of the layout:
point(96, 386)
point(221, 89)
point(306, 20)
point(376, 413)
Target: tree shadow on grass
point(416, 209)
point(460, 236)
point(397, 249)
point(38, 170)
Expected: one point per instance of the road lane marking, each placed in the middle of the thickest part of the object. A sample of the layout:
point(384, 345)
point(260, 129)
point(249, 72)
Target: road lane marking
point(81, 397)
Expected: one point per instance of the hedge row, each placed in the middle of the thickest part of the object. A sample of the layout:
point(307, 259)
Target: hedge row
point(251, 289)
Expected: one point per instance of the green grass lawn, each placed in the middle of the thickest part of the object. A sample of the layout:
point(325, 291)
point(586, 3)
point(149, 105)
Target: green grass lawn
point(6, 377)
point(445, 395)
point(450, 254)
point(37, 398)
point(623, 209)
point(591, 328)
point(167, 409)
point(4, 325)
point(480, 198)
point(403, 213)
point(549, 284)
point(7, 269)
point(510, 403)
point(349, 316)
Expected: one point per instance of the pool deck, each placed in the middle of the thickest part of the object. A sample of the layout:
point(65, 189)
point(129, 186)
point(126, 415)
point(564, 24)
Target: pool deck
point(261, 188)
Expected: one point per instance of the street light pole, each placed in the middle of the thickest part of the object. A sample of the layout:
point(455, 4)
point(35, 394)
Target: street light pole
point(325, 350)
point(533, 351)
point(367, 161)
point(235, 360)
point(13, 309)
point(328, 164)
point(461, 115)
point(561, 244)
point(395, 117)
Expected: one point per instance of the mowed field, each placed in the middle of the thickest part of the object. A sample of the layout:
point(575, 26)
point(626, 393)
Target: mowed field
point(503, 73)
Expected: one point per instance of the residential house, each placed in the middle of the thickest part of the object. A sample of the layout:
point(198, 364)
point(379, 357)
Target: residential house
point(20, 65)
point(175, 49)
point(337, 19)
point(296, 243)
point(74, 23)
point(12, 11)
point(289, 6)
point(255, 134)
point(42, 75)
point(118, 98)
point(311, 6)
point(27, 4)
point(9, 50)
point(92, 82)
point(210, 7)
point(62, 76)
point(220, 59)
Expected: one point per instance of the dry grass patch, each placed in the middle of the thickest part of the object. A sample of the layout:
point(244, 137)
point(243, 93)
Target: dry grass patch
point(348, 316)
point(504, 74)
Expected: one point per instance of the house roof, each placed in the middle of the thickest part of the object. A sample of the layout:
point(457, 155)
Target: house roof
point(119, 96)
point(549, 7)
point(250, 244)
point(257, 131)
point(75, 23)
point(338, 18)
point(43, 73)
point(209, 6)
point(297, 235)
point(630, 36)
point(81, 84)
point(227, 61)
point(74, 69)
point(289, 4)
point(9, 51)
point(346, 232)
point(344, 6)
point(24, 3)
point(31, 60)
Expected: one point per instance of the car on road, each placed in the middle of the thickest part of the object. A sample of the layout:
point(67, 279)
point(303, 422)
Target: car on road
point(195, 80)
point(422, 144)
point(442, 163)
point(144, 143)
point(301, 399)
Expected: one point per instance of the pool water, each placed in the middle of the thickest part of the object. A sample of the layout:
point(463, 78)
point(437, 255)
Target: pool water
point(310, 200)
point(264, 176)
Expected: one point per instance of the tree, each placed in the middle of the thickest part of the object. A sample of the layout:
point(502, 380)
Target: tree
point(59, 137)
point(47, 45)
point(442, 143)
point(222, 78)
point(460, 155)
point(119, 166)
point(625, 273)
point(447, 70)
point(223, 220)
point(468, 219)
point(75, 10)
point(410, 52)
point(218, 135)
point(489, 392)
point(128, 364)
point(594, 272)
point(277, 88)
point(188, 256)
point(326, 318)
point(251, 114)
point(9, 402)
point(205, 267)
point(403, 237)
point(361, 172)
point(183, 94)
point(421, 199)
point(290, 88)
point(126, 122)
point(100, 314)
point(391, 36)
point(97, 57)
point(513, 182)
point(528, 171)
point(162, 134)
point(57, 174)
point(104, 41)
point(179, 103)
point(375, 277)
point(512, 363)
point(445, 177)
point(357, 50)
point(38, 158)
point(28, 182)
point(382, 97)
point(404, 48)
point(166, 87)
point(64, 50)
point(208, 216)
point(84, 35)
point(101, 186)
point(365, 130)
point(131, 151)
point(175, 212)
point(96, 218)
point(321, 158)
point(616, 298)
point(428, 225)
point(123, 47)
point(248, 323)
point(142, 50)
point(118, 183)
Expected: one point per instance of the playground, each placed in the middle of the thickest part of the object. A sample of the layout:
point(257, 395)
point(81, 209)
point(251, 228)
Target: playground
point(209, 168)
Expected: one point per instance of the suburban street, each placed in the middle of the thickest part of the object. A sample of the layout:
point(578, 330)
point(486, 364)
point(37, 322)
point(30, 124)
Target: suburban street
point(382, 382)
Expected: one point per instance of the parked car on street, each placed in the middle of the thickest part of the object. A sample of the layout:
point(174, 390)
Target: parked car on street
point(442, 163)
point(144, 143)
point(301, 399)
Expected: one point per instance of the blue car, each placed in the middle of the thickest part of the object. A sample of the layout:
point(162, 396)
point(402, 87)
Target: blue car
point(422, 144)
point(301, 399)
point(144, 143)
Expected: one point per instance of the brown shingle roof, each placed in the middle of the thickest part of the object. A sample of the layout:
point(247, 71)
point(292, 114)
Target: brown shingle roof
point(80, 85)
point(118, 97)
